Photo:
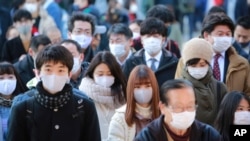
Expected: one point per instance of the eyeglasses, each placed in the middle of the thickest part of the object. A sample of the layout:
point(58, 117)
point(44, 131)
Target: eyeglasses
point(178, 109)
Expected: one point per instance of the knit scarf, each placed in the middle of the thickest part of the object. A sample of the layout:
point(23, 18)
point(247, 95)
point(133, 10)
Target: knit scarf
point(99, 94)
point(5, 102)
point(54, 101)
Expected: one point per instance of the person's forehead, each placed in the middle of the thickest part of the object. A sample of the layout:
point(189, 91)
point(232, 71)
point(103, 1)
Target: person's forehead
point(84, 25)
point(115, 36)
point(182, 95)
point(223, 28)
point(53, 64)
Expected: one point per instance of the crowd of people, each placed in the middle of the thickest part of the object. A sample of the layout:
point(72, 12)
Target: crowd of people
point(117, 70)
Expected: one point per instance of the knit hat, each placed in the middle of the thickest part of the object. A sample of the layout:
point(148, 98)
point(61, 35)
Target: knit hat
point(197, 48)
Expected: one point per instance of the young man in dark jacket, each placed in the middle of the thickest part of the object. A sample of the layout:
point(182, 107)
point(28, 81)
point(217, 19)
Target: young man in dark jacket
point(161, 61)
point(178, 106)
point(54, 112)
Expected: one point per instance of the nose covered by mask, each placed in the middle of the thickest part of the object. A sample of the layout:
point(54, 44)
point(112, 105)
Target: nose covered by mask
point(7, 86)
point(182, 120)
point(221, 44)
point(83, 40)
point(118, 50)
point(143, 95)
point(24, 29)
point(105, 81)
point(197, 72)
point(54, 83)
point(152, 45)
point(242, 118)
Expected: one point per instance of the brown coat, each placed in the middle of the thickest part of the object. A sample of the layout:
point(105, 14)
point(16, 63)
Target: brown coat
point(238, 72)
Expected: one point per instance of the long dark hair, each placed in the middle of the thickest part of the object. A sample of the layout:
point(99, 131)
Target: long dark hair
point(226, 112)
point(8, 68)
point(118, 89)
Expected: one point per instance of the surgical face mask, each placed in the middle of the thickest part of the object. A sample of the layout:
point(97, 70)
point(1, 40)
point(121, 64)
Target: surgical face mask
point(152, 45)
point(221, 44)
point(182, 120)
point(143, 95)
point(54, 83)
point(197, 72)
point(136, 35)
point(24, 29)
point(7, 86)
point(31, 7)
point(242, 118)
point(133, 8)
point(118, 50)
point(105, 81)
point(77, 65)
point(83, 40)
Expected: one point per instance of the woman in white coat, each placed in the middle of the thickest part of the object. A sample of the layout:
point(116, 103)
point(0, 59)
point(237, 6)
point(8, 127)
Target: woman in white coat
point(141, 107)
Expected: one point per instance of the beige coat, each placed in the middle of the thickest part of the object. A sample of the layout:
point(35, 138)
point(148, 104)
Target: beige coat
point(118, 128)
point(237, 77)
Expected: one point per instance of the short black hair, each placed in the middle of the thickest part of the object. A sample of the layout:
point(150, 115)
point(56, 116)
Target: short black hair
point(78, 16)
point(214, 19)
point(20, 14)
point(194, 61)
point(216, 9)
point(120, 28)
point(244, 21)
point(153, 25)
point(56, 54)
point(162, 12)
point(170, 85)
point(67, 41)
point(39, 40)
point(17, 3)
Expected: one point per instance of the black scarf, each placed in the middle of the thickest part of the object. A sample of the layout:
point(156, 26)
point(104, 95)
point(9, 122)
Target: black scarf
point(5, 102)
point(54, 101)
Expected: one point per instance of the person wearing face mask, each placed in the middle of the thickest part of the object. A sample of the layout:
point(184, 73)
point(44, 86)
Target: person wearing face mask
point(79, 67)
point(81, 28)
point(10, 86)
point(161, 61)
point(105, 83)
point(141, 107)
point(16, 48)
point(26, 66)
point(55, 104)
point(197, 55)
point(163, 13)
point(235, 106)
point(120, 41)
point(177, 122)
point(228, 66)
point(242, 34)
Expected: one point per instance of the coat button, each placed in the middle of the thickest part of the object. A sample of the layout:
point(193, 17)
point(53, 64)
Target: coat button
point(57, 127)
point(55, 110)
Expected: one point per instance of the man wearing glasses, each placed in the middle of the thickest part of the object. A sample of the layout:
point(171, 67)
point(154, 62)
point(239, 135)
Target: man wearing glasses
point(177, 122)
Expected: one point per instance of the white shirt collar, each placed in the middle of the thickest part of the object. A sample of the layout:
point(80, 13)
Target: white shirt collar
point(47, 3)
point(157, 57)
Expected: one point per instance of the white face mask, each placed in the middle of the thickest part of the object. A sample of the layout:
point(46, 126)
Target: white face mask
point(221, 44)
point(143, 95)
point(152, 45)
point(31, 7)
point(118, 50)
point(54, 83)
point(77, 65)
point(197, 73)
point(136, 35)
point(182, 120)
point(105, 81)
point(7, 86)
point(242, 118)
point(83, 40)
